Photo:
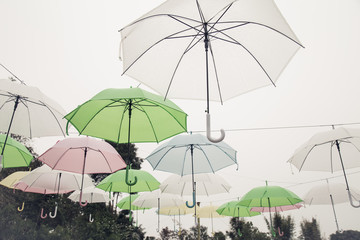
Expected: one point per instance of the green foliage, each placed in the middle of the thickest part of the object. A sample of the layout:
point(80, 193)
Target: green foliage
point(243, 230)
point(283, 227)
point(219, 236)
point(345, 235)
point(310, 230)
point(193, 234)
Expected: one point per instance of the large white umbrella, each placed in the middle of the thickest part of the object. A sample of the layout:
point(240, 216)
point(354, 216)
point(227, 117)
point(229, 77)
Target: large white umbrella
point(330, 151)
point(158, 199)
point(208, 49)
point(26, 111)
point(329, 194)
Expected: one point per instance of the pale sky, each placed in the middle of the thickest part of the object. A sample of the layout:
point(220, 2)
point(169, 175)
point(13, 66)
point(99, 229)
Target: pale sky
point(69, 49)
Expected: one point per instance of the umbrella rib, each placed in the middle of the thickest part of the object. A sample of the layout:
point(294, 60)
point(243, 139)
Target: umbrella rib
point(206, 158)
point(163, 155)
point(183, 165)
point(303, 162)
point(126, 108)
point(216, 72)
point(151, 124)
point(52, 113)
point(59, 157)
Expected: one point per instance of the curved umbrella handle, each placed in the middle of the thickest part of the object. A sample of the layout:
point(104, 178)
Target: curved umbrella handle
point(193, 205)
point(281, 233)
point(129, 183)
point(22, 207)
point(55, 212)
point(42, 214)
point(208, 131)
point(91, 219)
point(273, 233)
point(239, 232)
point(351, 201)
point(80, 203)
point(130, 216)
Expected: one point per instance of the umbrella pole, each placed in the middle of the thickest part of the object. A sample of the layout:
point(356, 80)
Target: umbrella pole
point(129, 183)
point(8, 131)
point(333, 207)
point(158, 229)
point(82, 180)
point(208, 131)
point(346, 181)
point(271, 228)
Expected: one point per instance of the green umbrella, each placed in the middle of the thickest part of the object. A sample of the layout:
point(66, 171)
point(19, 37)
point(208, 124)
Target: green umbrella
point(115, 182)
point(269, 196)
point(128, 116)
point(16, 154)
point(125, 204)
point(233, 209)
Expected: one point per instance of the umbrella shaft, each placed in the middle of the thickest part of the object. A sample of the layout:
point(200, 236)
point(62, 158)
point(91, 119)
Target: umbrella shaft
point(11, 120)
point(206, 42)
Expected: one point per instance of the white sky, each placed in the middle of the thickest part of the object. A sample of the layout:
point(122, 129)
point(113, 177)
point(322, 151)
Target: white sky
point(69, 49)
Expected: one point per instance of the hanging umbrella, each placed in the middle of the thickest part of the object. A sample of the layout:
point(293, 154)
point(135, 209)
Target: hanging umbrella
point(276, 208)
point(116, 182)
point(208, 212)
point(269, 196)
point(44, 180)
point(26, 111)
point(232, 209)
point(91, 195)
point(329, 194)
point(126, 203)
point(13, 178)
point(330, 151)
point(207, 184)
point(191, 154)
point(16, 155)
point(83, 155)
point(177, 210)
point(128, 116)
point(158, 199)
point(213, 49)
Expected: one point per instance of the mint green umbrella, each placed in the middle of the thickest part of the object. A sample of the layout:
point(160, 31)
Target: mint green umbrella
point(107, 115)
point(16, 154)
point(269, 196)
point(233, 209)
point(128, 116)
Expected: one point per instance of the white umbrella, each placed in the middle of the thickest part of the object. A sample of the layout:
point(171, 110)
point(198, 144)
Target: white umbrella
point(329, 194)
point(330, 151)
point(208, 49)
point(26, 111)
point(90, 194)
point(206, 184)
point(158, 199)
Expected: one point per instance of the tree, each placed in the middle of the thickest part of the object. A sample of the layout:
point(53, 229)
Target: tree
point(283, 227)
point(310, 230)
point(219, 236)
point(345, 235)
point(193, 234)
point(243, 230)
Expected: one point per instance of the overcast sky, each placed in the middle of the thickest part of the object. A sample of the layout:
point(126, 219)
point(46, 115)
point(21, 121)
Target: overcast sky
point(69, 49)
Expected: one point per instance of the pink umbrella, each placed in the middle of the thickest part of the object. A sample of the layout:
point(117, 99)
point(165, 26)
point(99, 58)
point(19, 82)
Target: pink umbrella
point(83, 155)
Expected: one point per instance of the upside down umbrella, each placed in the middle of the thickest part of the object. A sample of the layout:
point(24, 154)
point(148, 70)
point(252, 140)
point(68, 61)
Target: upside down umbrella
point(26, 111)
point(84, 155)
point(269, 196)
point(192, 154)
point(16, 155)
point(329, 194)
point(208, 49)
point(128, 116)
point(330, 151)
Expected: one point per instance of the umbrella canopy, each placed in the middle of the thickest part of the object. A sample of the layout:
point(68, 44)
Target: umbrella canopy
point(329, 151)
point(277, 208)
point(46, 181)
point(178, 210)
point(232, 209)
point(115, 182)
point(91, 195)
point(158, 199)
point(13, 178)
point(107, 115)
point(124, 203)
point(213, 49)
point(208, 212)
point(191, 153)
point(206, 184)
point(83, 155)
point(16, 154)
point(35, 114)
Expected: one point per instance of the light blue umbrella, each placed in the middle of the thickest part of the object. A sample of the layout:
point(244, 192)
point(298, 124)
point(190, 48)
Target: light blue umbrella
point(192, 154)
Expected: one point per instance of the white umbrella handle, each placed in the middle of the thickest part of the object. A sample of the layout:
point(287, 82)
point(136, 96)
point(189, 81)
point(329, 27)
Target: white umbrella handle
point(91, 219)
point(55, 212)
point(208, 131)
point(351, 201)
